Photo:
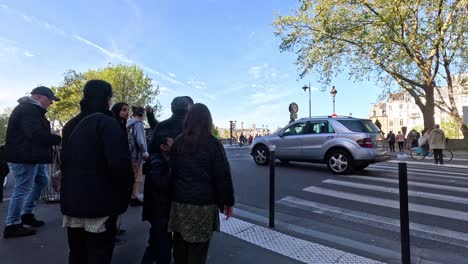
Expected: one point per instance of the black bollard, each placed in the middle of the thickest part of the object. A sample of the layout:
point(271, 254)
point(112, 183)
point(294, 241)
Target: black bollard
point(404, 213)
point(272, 186)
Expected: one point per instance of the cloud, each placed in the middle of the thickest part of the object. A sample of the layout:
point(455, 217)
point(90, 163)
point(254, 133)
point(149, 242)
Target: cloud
point(171, 74)
point(200, 85)
point(112, 55)
point(33, 20)
point(264, 72)
point(28, 54)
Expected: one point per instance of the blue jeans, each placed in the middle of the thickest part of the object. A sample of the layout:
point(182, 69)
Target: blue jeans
point(30, 179)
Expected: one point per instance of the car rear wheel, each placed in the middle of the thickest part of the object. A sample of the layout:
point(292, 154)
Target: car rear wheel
point(340, 162)
point(261, 155)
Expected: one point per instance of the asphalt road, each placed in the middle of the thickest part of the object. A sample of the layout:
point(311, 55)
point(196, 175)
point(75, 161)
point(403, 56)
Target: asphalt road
point(359, 213)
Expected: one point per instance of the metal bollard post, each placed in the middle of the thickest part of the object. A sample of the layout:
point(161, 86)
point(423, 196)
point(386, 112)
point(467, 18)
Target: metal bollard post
point(404, 213)
point(272, 186)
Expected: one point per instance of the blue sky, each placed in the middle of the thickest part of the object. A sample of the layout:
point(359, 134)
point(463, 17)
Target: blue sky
point(222, 53)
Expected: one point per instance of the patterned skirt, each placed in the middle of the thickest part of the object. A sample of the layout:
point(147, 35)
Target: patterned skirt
point(195, 223)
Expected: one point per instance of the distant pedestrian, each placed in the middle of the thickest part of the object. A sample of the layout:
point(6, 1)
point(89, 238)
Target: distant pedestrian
point(28, 146)
point(391, 141)
point(157, 203)
point(400, 139)
point(437, 144)
point(423, 141)
point(202, 184)
point(138, 150)
point(97, 177)
point(250, 140)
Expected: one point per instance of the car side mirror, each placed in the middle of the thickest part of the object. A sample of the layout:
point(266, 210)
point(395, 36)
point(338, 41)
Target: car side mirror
point(280, 134)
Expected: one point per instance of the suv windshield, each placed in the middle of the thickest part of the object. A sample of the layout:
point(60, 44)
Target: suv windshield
point(365, 126)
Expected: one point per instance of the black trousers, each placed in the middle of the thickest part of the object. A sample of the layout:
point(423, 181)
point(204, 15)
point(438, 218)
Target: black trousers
point(438, 156)
point(189, 253)
point(392, 146)
point(159, 247)
point(400, 146)
point(92, 248)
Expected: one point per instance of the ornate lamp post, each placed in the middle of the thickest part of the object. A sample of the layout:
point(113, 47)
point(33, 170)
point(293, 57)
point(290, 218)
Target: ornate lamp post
point(333, 92)
point(305, 89)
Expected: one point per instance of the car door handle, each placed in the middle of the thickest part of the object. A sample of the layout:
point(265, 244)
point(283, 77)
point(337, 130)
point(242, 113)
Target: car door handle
point(330, 137)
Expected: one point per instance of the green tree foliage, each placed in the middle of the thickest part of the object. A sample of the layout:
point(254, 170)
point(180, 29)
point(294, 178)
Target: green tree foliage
point(130, 84)
point(3, 127)
point(215, 132)
point(451, 129)
point(414, 44)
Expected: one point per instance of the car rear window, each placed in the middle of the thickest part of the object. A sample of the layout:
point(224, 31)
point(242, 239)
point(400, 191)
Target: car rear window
point(365, 126)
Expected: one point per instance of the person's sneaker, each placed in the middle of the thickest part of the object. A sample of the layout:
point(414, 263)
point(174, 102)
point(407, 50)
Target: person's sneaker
point(135, 202)
point(29, 219)
point(17, 231)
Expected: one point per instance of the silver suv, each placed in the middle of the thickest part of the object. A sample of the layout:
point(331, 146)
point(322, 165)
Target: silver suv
point(345, 144)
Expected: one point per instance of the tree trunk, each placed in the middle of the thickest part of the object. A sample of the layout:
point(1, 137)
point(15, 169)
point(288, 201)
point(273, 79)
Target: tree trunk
point(429, 108)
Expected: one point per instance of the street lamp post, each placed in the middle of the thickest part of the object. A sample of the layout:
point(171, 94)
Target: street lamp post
point(305, 89)
point(242, 127)
point(333, 93)
point(230, 132)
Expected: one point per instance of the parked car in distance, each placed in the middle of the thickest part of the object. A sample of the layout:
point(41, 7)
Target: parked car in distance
point(345, 144)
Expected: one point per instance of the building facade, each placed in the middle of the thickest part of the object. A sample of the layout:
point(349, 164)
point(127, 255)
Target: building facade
point(399, 110)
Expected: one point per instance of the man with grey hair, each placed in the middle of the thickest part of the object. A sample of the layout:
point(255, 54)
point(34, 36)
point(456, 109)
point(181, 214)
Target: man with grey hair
point(28, 146)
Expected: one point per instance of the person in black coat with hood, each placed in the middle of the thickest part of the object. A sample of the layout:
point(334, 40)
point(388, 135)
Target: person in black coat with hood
point(97, 177)
point(172, 126)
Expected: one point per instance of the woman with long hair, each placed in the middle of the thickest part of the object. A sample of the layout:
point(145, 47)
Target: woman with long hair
point(202, 184)
point(120, 111)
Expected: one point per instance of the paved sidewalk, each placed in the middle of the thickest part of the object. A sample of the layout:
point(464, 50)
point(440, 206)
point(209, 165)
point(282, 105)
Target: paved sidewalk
point(239, 242)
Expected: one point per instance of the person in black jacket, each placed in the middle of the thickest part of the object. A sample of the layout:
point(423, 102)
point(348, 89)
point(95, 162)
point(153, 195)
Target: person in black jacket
point(157, 203)
point(202, 184)
point(28, 146)
point(97, 177)
point(121, 111)
point(172, 126)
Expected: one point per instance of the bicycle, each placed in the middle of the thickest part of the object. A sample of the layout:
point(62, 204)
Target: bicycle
point(417, 153)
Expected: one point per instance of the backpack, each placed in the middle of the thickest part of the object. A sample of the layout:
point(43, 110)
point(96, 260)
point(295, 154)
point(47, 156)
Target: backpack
point(132, 141)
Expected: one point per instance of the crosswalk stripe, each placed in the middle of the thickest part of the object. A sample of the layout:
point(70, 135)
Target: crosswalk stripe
point(428, 173)
point(411, 183)
point(419, 230)
point(429, 164)
point(435, 196)
point(449, 213)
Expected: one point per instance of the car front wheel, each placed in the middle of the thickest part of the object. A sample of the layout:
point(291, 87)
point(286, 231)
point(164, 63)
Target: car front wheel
point(339, 162)
point(261, 155)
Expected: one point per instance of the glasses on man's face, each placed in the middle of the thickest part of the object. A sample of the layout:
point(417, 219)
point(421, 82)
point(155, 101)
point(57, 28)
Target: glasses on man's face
point(124, 109)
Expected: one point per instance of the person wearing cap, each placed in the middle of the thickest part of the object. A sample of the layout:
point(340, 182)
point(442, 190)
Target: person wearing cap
point(28, 146)
point(172, 126)
point(97, 177)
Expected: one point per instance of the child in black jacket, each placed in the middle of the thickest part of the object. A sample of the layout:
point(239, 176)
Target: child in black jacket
point(157, 203)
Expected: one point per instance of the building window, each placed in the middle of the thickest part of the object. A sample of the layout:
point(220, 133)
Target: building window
point(391, 123)
point(390, 107)
point(374, 112)
point(401, 122)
